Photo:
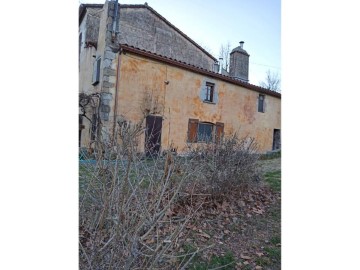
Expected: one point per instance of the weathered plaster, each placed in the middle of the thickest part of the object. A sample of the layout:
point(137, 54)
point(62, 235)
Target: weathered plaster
point(236, 106)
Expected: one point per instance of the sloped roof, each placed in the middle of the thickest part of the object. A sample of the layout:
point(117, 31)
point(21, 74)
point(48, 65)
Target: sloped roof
point(180, 64)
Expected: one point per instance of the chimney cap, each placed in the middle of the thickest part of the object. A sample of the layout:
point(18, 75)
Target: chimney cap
point(240, 49)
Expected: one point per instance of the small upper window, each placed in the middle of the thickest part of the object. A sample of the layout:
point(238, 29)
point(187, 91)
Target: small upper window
point(209, 92)
point(261, 103)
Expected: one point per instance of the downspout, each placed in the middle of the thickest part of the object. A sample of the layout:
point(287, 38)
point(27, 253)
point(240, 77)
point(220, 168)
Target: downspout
point(113, 34)
point(116, 92)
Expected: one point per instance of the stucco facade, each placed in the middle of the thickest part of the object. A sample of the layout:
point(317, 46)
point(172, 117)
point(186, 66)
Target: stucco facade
point(178, 95)
point(146, 61)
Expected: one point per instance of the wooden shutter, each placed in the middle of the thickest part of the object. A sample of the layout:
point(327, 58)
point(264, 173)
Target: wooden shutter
point(219, 131)
point(192, 130)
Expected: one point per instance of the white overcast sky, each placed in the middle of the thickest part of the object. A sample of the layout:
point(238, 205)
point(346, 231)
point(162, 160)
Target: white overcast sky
point(212, 23)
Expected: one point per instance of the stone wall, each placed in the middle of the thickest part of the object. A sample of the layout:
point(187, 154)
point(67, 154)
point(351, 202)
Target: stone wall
point(141, 28)
point(92, 25)
point(239, 66)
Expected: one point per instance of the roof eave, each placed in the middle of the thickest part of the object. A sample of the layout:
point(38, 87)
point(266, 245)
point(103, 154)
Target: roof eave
point(173, 62)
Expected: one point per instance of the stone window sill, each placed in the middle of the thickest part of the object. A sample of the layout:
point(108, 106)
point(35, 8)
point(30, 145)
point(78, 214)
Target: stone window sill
point(209, 102)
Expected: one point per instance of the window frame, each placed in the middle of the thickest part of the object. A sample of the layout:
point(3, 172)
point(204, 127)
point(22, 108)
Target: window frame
point(210, 89)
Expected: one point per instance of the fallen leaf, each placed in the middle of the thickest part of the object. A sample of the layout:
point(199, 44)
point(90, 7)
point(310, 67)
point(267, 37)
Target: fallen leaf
point(258, 267)
point(259, 254)
point(204, 235)
point(150, 241)
point(245, 257)
point(258, 211)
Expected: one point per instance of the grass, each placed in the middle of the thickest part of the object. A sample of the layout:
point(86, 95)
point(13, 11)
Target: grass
point(270, 155)
point(274, 180)
point(263, 261)
point(274, 253)
point(225, 262)
point(275, 240)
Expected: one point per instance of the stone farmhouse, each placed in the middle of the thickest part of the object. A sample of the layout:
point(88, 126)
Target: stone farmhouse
point(140, 66)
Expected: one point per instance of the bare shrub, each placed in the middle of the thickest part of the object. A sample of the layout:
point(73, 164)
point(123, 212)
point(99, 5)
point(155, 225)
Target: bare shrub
point(225, 165)
point(125, 209)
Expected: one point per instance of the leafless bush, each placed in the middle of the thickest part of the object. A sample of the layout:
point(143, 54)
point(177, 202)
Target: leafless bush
point(225, 165)
point(125, 209)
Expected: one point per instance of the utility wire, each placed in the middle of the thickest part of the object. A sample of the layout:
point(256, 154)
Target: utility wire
point(264, 65)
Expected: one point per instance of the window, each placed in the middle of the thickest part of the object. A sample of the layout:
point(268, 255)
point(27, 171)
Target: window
point(209, 96)
point(204, 131)
point(96, 73)
point(261, 103)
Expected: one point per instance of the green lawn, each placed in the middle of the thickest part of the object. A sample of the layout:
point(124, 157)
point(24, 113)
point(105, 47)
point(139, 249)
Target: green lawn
point(274, 180)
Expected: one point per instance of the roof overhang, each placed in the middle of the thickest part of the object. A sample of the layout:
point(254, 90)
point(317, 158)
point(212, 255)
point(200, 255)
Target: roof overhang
point(173, 62)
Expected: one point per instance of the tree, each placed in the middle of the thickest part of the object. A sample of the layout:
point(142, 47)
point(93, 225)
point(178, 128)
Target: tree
point(271, 82)
point(224, 53)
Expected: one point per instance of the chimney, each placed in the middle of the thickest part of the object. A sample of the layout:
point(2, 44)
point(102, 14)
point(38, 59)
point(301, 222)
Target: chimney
point(239, 63)
point(216, 67)
point(221, 64)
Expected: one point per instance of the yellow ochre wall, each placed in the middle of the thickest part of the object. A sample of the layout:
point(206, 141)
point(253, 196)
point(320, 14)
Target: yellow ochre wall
point(180, 100)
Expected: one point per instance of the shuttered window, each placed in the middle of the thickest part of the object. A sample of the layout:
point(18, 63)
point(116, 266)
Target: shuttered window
point(192, 130)
point(204, 131)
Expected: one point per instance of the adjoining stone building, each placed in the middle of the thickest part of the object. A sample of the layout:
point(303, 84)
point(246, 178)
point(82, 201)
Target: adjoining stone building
point(133, 59)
